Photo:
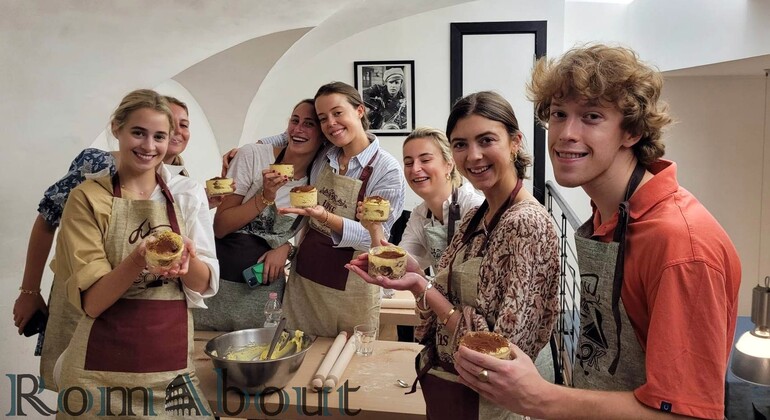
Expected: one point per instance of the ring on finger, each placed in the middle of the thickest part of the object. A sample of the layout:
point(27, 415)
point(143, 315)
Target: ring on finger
point(483, 375)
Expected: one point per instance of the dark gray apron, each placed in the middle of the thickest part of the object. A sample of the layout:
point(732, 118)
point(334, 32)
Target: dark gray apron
point(609, 356)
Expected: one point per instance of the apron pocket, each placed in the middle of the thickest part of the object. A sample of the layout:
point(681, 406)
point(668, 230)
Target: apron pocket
point(327, 264)
point(139, 336)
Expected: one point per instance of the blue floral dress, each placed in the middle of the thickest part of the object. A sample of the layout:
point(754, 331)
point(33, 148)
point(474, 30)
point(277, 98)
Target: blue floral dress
point(89, 161)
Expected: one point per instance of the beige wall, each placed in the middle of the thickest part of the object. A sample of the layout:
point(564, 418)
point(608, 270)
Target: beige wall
point(718, 145)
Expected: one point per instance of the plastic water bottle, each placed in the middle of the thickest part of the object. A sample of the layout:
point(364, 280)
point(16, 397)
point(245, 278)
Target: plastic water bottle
point(273, 311)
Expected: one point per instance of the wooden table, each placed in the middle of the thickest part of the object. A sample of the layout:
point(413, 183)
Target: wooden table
point(398, 316)
point(379, 397)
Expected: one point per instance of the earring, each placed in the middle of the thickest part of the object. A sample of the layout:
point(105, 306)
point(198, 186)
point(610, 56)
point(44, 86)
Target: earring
point(448, 177)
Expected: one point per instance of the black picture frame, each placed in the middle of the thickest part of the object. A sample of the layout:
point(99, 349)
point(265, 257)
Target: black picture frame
point(388, 115)
point(540, 31)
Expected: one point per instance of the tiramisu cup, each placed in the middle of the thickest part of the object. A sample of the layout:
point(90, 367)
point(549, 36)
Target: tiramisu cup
point(487, 342)
point(388, 261)
point(165, 250)
point(376, 209)
point(286, 170)
point(219, 186)
point(303, 196)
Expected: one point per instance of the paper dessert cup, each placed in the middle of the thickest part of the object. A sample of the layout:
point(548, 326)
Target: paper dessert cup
point(219, 186)
point(388, 261)
point(376, 209)
point(165, 250)
point(286, 170)
point(303, 196)
point(487, 342)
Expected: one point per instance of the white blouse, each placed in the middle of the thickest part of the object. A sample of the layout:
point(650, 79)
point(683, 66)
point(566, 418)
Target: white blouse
point(414, 240)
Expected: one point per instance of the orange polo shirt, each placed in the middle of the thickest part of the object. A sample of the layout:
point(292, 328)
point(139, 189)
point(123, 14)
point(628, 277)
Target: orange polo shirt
point(682, 275)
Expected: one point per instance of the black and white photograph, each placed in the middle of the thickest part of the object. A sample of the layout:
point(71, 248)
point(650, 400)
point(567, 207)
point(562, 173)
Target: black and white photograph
point(387, 88)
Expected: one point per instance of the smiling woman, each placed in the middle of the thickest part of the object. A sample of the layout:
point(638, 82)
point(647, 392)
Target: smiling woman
point(431, 173)
point(501, 268)
point(353, 167)
point(110, 220)
point(249, 228)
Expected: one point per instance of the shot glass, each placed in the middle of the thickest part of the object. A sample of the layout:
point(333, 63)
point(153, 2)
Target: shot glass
point(365, 336)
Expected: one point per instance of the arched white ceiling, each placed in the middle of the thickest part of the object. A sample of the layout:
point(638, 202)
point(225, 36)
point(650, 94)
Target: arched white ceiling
point(343, 24)
point(225, 83)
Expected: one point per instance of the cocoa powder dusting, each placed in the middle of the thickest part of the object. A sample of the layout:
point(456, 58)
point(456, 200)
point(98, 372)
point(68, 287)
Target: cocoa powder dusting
point(303, 188)
point(483, 342)
point(165, 246)
point(375, 199)
point(391, 255)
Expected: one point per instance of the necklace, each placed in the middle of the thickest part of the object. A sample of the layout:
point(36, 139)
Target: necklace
point(141, 193)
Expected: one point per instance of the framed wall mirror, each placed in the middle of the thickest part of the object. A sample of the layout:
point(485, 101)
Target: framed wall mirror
point(509, 49)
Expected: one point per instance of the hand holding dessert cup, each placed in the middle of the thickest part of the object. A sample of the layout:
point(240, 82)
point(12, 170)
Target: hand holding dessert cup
point(167, 254)
point(304, 202)
point(219, 186)
point(505, 381)
point(388, 266)
point(272, 181)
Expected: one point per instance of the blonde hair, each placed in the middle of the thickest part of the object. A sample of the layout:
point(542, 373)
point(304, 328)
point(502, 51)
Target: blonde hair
point(140, 99)
point(442, 142)
point(615, 75)
point(177, 102)
point(492, 106)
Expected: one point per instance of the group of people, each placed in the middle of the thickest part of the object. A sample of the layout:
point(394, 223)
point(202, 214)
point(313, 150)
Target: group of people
point(654, 263)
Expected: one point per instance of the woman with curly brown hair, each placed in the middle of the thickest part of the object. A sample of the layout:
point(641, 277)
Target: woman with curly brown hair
point(654, 263)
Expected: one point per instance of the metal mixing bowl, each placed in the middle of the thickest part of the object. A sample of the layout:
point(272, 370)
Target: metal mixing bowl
point(255, 376)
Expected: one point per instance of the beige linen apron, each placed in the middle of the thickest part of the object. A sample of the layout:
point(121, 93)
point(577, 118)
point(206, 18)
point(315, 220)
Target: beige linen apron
point(143, 343)
point(445, 397)
point(62, 320)
point(609, 356)
point(322, 296)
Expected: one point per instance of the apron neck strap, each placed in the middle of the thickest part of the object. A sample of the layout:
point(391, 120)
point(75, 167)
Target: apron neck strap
point(170, 211)
point(476, 220)
point(472, 227)
point(365, 175)
point(279, 158)
point(619, 236)
point(454, 216)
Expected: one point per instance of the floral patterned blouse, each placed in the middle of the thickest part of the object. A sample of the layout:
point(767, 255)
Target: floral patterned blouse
point(518, 278)
point(89, 161)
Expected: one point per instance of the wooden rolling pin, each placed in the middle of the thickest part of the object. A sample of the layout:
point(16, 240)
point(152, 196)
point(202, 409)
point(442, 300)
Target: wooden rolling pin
point(328, 362)
point(341, 364)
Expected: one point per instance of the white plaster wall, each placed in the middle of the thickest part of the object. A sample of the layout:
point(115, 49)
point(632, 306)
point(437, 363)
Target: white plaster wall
point(675, 34)
point(717, 143)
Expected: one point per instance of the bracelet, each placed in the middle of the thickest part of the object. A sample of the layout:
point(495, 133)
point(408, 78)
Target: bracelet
point(265, 201)
point(449, 315)
point(423, 297)
point(28, 291)
point(326, 220)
